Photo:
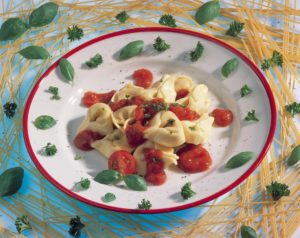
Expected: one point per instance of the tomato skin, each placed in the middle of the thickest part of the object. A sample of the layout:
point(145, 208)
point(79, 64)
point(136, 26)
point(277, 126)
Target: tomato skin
point(181, 93)
point(91, 98)
point(184, 113)
point(84, 139)
point(137, 100)
point(194, 159)
point(143, 78)
point(123, 162)
point(158, 178)
point(135, 134)
point(119, 104)
point(223, 117)
point(155, 173)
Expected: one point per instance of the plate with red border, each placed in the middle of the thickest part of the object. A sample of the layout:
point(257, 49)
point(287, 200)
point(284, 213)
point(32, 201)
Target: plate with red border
point(64, 171)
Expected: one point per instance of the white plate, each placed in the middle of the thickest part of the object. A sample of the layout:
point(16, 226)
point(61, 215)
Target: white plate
point(63, 171)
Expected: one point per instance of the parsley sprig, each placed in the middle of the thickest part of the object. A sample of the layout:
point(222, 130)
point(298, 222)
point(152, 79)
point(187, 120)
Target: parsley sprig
point(95, 61)
point(50, 149)
point(75, 227)
point(278, 190)
point(186, 191)
point(145, 204)
point(10, 109)
point(74, 33)
point(160, 45)
point(55, 93)
point(83, 184)
point(196, 54)
point(122, 16)
point(251, 116)
point(22, 223)
point(235, 28)
point(245, 90)
point(293, 108)
point(275, 60)
point(167, 20)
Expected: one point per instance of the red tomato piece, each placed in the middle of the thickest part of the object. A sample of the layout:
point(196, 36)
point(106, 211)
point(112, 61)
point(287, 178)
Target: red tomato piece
point(223, 117)
point(134, 134)
point(91, 98)
point(153, 107)
point(151, 154)
point(123, 162)
point(119, 104)
point(137, 100)
point(158, 178)
point(184, 113)
point(84, 139)
point(181, 93)
point(143, 78)
point(139, 113)
point(194, 159)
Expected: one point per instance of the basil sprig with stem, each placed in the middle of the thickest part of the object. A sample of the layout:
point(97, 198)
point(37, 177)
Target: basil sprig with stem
point(66, 69)
point(207, 12)
point(34, 52)
point(229, 67)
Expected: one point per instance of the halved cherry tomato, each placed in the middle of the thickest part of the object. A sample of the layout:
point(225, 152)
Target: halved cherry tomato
point(91, 98)
point(143, 78)
point(194, 159)
point(184, 113)
point(119, 104)
point(135, 134)
point(151, 154)
point(156, 178)
point(155, 173)
point(223, 117)
point(181, 93)
point(123, 162)
point(84, 139)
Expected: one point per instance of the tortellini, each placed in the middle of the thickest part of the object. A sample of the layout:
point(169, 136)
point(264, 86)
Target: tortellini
point(123, 115)
point(98, 119)
point(165, 129)
point(197, 132)
point(111, 143)
point(130, 90)
point(169, 157)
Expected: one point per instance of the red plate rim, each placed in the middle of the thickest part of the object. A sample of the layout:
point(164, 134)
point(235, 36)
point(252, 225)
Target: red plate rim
point(162, 210)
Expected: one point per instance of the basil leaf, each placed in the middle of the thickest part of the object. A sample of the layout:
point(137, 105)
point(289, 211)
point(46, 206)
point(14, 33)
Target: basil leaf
point(239, 159)
point(295, 156)
point(229, 67)
point(44, 122)
point(248, 232)
point(34, 52)
point(109, 197)
point(12, 29)
point(135, 182)
point(131, 49)
point(11, 181)
point(107, 176)
point(66, 69)
point(43, 15)
point(207, 12)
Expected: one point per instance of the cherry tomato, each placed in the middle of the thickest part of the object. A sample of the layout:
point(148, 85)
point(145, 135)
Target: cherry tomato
point(151, 154)
point(137, 100)
point(156, 178)
point(223, 117)
point(181, 93)
point(184, 113)
point(143, 78)
point(84, 139)
point(90, 98)
point(119, 104)
point(194, 159)
point(134, 134)
point(139, 113)
point(155, 173)
point(123, 162)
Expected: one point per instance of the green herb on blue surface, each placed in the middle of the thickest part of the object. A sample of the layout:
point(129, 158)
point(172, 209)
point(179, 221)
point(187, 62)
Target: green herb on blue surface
point(75, 227)
point(10, 109)
point(22, 223)
point(293, 108)
point(122, 16)
point(11, 181)
point(278, 190)
point(74, 33)
point(12, 29)
point(167, 20)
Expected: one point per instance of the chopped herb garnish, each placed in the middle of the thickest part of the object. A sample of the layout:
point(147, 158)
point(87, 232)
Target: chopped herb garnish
point(235, 28)
point(160, 45)
point(167, 20)
point(22, 223)
point(127, 96)
point(265, 65)
point(77, 157)
point(10, 109)
point(186, 191)
point(74, 33)
point(192, 128)
point(84, 183)
point(251, 116)
point(278, 190)
point(275, 60)
point(245, 90)
point(109, 197)
point(196, 54)
point(54, 92)
point(145, 204)
point(75, 227)
point(293, 108)
point(95, 61)
point(122, 16)
point(50, 149)
point(170, 122)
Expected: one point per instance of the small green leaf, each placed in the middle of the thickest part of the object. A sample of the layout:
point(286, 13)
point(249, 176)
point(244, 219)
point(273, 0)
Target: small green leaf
point(131, 49)
point(207, 12)
point(229, 67)
point(44, 122)
point(66, 69)
point(239, 159)
point(34, 52)
point(11, 181)
point(108, 176)
point(12, 29)
point(109, 197)
point(248, 232)
point(43, 15)
point(295, 156)
point(135, 182)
